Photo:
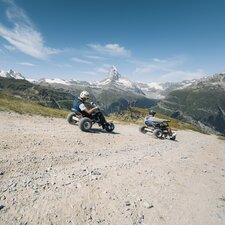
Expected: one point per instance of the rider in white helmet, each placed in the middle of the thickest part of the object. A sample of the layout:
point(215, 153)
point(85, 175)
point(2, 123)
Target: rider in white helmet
point(79, 104)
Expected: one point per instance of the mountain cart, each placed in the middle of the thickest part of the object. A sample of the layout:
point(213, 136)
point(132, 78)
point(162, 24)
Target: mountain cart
point(85, 123)
point(159, 129)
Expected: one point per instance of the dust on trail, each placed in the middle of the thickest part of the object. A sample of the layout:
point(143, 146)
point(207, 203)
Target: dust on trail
point(52, 173)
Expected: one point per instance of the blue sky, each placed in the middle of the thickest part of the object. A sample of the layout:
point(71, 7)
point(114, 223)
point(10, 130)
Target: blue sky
point(147, 40)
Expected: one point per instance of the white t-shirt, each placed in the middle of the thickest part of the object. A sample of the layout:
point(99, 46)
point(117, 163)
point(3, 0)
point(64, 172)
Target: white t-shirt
point(82, 107)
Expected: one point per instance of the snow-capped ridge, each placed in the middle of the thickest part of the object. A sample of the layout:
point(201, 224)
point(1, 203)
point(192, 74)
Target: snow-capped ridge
point(55, 81)
point(11, 74)
point(115, 81)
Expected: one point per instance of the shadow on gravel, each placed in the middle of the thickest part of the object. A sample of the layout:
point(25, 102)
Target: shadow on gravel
point(165, 139)
point(100, 131)
point(171, 140)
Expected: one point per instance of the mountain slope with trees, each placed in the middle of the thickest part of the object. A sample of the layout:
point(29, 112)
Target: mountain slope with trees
point(202, 103)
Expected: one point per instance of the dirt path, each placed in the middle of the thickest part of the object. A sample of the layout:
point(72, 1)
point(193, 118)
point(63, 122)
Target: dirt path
point(52, 173)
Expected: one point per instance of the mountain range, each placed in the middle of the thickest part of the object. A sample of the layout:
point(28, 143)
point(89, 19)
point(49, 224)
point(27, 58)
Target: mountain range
point(114, 79)
point(197, 101)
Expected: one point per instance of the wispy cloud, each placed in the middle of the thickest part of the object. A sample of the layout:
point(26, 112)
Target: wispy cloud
point(156, 64)
point(9, 47)
point(65, 65)
point(162, 70)
point(179, 75)
point(26, 64)
point(78, 60)
point(110, 49)
point(88, 73)
point(160, 60)
point(23, 35)
point(104, 69)
point(95, 57)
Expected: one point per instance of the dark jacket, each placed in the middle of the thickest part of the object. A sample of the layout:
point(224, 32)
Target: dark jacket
point(76, 104)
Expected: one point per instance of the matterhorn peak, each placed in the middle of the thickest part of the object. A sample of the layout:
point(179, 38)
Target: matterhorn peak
point(113, 73)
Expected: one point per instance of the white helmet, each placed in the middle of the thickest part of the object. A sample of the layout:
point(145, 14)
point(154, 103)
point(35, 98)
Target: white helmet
point(84, 94)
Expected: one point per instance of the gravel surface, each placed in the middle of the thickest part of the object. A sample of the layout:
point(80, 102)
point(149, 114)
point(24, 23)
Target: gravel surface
point(53, 173)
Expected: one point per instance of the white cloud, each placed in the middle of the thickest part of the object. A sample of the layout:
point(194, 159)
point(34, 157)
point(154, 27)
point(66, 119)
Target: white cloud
point(159, 60)
point(88, 73)
point(178, 75)
point(23, 36)
point(162, 70)
point(65, 65)
point(9, 47)
point(158, 65)
point(146, 69)
point(110, 49)
point(26, 64)
point(96, 57)
point(104, 70)
point(78, 60)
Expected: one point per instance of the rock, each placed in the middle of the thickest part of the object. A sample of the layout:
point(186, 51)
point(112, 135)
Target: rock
point(147, 205)
point(127, 203)
point(141, 218)
point(2, 197)
point(184, 157)
point(1, 206)
point(95, 172)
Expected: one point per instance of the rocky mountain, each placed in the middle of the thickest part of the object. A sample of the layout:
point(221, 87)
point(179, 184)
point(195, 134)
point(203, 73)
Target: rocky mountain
point(113, 80)
point(11, 74)
point(202, 103)
point(114, 93)
point(116, 80)
point(161, 90)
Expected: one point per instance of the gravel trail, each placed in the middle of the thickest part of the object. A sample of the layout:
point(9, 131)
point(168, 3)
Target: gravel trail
point(51, 173)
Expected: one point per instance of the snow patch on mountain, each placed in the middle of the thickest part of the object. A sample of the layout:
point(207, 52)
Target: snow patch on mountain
point(57, 81)
point(101, 83)
point(11, 74)
point(125, 82)
point(155, 85)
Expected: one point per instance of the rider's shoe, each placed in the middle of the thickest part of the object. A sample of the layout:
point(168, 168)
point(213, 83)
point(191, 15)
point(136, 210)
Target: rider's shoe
point(173, 136)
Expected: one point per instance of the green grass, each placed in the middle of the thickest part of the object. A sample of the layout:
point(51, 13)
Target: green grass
point(134, 115)
point(9, 103)
point(140, 113)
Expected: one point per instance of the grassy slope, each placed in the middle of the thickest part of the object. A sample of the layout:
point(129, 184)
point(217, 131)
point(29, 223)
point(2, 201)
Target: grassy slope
point(43, 95)
point(9, 103)
point(134, 115)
